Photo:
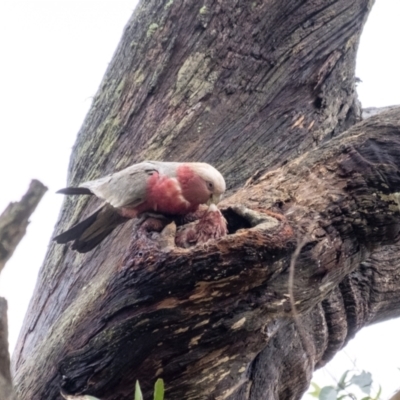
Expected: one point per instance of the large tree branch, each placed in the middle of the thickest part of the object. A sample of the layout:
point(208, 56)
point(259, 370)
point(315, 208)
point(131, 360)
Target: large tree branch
point(174, 313)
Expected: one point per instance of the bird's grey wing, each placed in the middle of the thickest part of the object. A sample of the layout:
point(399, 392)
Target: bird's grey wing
point(124, 188)
point(88, 233)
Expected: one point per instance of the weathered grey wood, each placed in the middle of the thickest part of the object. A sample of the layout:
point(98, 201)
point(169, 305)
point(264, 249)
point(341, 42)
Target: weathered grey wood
point(15, 219)
point(263, 90)
point(371, 111)
point(6, 387)
point(13, 223)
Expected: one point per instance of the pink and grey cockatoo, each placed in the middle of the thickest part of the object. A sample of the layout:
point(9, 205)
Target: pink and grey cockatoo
point(168, 188)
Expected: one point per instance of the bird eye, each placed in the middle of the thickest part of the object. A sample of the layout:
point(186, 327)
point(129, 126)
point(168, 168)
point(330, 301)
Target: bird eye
point(210, 185)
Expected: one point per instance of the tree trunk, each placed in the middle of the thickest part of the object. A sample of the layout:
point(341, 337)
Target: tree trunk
point(265, 91)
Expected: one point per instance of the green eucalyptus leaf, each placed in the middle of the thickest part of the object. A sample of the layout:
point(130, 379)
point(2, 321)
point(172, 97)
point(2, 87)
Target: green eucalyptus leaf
point(328, 393)
point(138, 392)
point(363, 381)
point(159, 390)
point(316, 391)
point(378, 395)
point(342, 384)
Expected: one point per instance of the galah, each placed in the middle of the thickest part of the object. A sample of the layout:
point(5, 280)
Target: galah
point(168, 188)
point(211, 225)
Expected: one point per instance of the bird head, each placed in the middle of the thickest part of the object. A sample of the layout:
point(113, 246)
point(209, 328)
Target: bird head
point(201, 183)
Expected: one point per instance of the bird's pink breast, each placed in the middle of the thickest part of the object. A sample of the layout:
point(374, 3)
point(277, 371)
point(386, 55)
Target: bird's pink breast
point(193, 187)
point(164, 195)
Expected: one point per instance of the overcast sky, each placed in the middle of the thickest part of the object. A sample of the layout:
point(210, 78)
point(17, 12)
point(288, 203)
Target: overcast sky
point(54, 54)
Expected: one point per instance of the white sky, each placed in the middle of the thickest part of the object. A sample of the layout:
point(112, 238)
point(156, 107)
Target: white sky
point(53, 57)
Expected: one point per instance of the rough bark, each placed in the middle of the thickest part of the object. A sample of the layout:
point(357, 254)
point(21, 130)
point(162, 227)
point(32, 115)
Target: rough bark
point(264, 91)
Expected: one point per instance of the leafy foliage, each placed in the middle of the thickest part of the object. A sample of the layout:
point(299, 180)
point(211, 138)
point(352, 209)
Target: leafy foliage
point(345, 386)
point(158, 390)
point(138, 392)
point(363, 381)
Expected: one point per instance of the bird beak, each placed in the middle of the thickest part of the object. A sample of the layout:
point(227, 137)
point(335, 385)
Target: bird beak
point(214, 199)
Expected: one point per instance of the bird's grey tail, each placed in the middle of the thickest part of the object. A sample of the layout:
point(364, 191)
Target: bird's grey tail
point(88, 233)
point(74, 190)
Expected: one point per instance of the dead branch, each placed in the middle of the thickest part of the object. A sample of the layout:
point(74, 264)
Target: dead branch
point(15, 219)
